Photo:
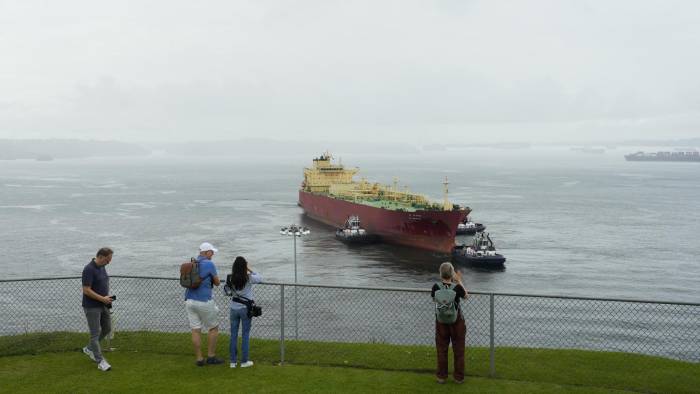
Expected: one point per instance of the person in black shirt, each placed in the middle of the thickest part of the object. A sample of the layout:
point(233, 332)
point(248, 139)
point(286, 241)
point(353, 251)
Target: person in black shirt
point(95, 304)
point(455, 332)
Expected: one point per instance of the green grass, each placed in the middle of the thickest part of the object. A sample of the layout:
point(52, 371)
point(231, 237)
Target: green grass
point(164, 362)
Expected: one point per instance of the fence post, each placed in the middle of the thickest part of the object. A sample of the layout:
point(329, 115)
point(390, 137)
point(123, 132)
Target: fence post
point(492, 355)
point(281, 324)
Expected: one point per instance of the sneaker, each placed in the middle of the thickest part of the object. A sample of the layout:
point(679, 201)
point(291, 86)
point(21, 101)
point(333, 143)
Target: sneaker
point(89, 353)
point(459, 381)
point(441, 381)
point(199, 363)
point(247, 364)
point(214, 361)
point(232, 365)
point(104, 365)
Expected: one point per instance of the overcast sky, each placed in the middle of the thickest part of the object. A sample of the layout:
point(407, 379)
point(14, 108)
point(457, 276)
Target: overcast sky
point(415, 71)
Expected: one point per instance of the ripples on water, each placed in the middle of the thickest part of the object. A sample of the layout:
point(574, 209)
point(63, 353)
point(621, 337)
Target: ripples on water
point(569, 223)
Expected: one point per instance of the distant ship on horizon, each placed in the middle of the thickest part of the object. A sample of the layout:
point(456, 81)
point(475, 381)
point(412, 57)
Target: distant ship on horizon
point(664, 156)
point(330, 195)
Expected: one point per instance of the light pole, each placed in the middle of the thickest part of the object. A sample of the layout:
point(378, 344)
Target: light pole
point(295, 231)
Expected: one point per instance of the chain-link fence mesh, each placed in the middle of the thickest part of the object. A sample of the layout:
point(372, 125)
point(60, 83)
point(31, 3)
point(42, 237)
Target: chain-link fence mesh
point(371, 315)
point(662, 329)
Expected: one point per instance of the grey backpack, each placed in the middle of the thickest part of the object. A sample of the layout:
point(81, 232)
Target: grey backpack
point(445, 307)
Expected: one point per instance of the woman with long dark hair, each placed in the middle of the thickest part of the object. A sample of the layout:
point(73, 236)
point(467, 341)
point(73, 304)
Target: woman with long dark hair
point(240, 283)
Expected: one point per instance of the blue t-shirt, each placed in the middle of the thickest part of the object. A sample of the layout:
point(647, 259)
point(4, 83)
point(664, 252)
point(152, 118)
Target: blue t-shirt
point(207, 271)
point(95, 276)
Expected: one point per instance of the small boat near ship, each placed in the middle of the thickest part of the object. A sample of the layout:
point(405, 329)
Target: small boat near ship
point(481, 252)
point(353, 233)
point(467, 227)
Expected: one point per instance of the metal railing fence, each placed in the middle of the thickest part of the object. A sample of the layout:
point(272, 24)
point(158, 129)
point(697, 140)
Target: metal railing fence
point(372, 315)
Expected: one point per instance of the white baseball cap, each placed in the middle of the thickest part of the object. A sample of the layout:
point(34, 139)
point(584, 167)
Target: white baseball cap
point(206, 246)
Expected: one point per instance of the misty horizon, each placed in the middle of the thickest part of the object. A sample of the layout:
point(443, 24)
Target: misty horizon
point(49, 149)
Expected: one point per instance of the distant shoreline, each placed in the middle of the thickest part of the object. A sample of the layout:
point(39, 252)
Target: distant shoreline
point(56, 149)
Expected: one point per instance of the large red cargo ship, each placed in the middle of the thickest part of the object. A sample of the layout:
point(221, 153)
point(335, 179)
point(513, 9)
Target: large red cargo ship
point(330, 195)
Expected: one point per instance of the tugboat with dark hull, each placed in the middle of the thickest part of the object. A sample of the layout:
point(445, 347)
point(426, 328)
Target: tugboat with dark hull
point(481, 253)
point(467, 227)
point(353, 233)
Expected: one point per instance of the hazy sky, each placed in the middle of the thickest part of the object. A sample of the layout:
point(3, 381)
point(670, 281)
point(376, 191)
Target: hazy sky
point(416, 71)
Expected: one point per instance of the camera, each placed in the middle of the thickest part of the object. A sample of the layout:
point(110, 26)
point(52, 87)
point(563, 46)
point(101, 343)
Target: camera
point(254, 311)
point(113, 297)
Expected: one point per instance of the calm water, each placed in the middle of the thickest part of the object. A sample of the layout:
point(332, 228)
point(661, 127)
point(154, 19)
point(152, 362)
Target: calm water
point(569, 223)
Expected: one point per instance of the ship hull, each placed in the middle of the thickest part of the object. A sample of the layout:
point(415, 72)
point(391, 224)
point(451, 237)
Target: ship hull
point(429, 230)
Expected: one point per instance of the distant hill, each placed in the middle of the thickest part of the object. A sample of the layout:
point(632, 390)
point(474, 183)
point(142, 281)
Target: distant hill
point(264, 147)
point(64, 149)
point(45, 150)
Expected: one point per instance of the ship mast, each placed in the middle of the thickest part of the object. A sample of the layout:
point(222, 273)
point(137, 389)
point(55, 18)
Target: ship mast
point(395, 191)
point(446, 205)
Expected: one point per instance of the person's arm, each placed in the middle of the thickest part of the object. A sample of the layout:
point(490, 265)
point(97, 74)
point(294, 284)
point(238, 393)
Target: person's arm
point(214, 276)
point(458, 280)
point(255, 277)
point(91, 293)
point(465, 291)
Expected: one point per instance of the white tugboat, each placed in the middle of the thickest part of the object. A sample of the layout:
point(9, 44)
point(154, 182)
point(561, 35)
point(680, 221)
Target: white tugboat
point(467, 227)
point(353, 233)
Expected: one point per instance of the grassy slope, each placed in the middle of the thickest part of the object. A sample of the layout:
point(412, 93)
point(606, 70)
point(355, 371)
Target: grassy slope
point(160, 362)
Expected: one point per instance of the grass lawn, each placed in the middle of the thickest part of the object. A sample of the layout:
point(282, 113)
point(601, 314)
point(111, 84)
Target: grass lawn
point(160, 362)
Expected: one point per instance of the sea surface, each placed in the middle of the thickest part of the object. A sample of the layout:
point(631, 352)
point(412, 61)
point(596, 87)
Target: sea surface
point(569, 223)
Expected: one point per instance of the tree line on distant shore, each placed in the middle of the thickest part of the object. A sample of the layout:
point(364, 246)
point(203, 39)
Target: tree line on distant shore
point(66, 149)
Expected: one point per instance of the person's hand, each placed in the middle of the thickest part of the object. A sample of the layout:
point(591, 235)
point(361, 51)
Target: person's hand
point(458, 277)
point(106, 300)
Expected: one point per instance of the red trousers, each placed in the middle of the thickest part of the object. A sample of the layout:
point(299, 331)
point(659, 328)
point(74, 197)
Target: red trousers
point(444, 334)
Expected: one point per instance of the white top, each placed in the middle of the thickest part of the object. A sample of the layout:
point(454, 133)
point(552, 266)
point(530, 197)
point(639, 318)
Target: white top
point(247, 291)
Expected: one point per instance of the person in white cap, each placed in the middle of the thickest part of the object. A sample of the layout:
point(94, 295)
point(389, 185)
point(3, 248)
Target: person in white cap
point(202, 312)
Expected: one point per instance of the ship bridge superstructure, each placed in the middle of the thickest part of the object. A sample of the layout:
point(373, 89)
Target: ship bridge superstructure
point(325, 173)
point(334, 180)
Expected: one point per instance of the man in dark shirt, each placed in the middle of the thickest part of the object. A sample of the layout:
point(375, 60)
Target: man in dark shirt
point(95, 304)
point(455, 332)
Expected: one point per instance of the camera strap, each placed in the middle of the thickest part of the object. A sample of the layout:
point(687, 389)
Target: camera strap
point(242, 300)
point(239, 298)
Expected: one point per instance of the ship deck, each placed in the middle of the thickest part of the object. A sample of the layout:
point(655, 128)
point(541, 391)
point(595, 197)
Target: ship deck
point(386, 204)
point(383, 204)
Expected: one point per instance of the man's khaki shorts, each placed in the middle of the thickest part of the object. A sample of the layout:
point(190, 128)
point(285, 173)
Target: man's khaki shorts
point(202, 314)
